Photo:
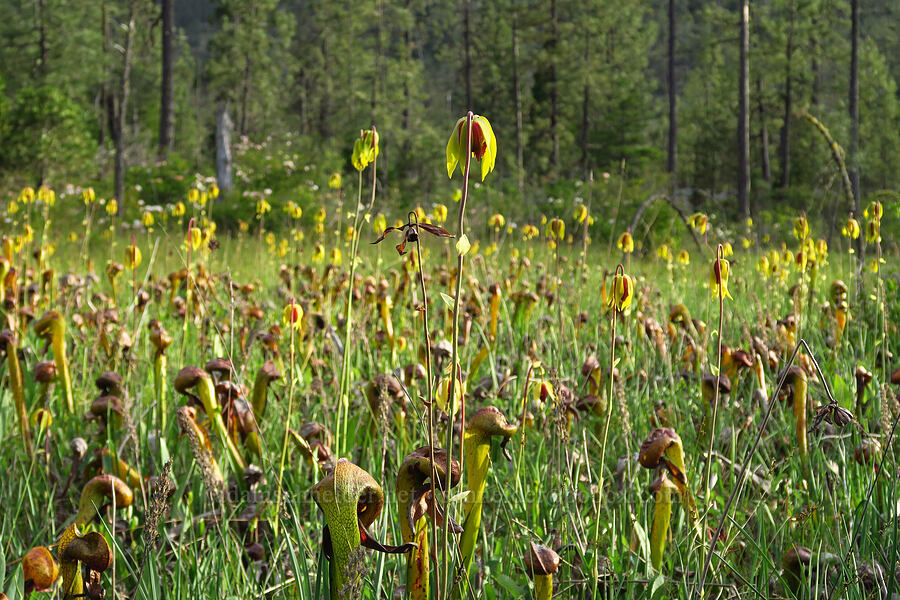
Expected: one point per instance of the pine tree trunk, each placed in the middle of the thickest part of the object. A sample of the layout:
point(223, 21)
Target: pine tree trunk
point(744, 115)
point(763, 134)
point(167, 86)
point(673, 112)
point(122, 106)
point(517, 100)
point(784, 148)
point(585, 113)
point(854, 104)
point(554, 88)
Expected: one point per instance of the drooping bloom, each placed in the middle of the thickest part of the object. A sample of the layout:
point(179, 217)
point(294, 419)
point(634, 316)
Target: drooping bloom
point(851, 229)
point(484, 145)
point(365, 149)
point(684, 257)
point(497, 221)
point(334, 182)
point(581, 213)
point(132, 257)
point(292, 316)
point(718, 277)
point(801, 228)
point(622, 292)
point(626, 242)
point(699, 221)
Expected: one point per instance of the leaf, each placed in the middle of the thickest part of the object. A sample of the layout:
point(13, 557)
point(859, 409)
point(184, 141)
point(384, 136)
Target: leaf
point(460, 496)
point(644, 541)
point(448, 300)
point(463, 245)
point(657, 585)
point(510, 585)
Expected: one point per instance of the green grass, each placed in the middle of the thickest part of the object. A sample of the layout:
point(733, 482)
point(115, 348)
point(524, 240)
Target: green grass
point(552, 499)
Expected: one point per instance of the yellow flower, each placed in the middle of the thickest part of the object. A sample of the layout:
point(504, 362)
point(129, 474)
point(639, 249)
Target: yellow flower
point(213, 191)
point(178, 209)
point(297, 234)
point(851, 229)
point(292, 316)
point(718, 276)
point(147, 219)
point(874, 211)
point(530, 232)
point(194, 238)
point(318, 253)
point(727, 250)
point(349, 232)
point(270, 238)
point(46, 195)
point(581, 213)
point(319, 227)
point(664, 253)
point(556, 229)
point(112, 207)
point(244, 226)
point(497, 221)
point(622, 292)
point(801, 228)
point(88, 196)
point(320, 215)
point(457, 195)
point(365, 149)
point(439, 214)
point(26, 196)
point(684, 257)
point(335, 256)
point(874, 264)
point(746, 242)
point(262, 207)
point(821, 250)
point(379, 223)
point(873, 231)
point(763, 265)
point(73, 237)
point(12, 207)
point(626, 242)
point(193, 195)
point(132, 257)
point(334, 182)
point(483, 144)
point(699, 221)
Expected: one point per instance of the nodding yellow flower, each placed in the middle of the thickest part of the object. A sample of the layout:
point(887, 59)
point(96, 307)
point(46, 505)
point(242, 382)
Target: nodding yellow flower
point(763, 265)
point(335, 256)
point(556, 229)
point(318, 253)
point(365, 149)
point(334, 182)
point(727, 250)
point(88, 196)
point(874, 264)
point(112, 207)
point(850, 229)
point(492, 247)
point(699, 221)
point(581, 213)
point(29, 234)
point(132, 257)
point(262, 207)
point(664, 253)
point(484, 145)
point(873, 231)
point(294, 211)
point(46, 195)
point(320, 215)
point(319, 227)
point(12, 207)
point(204, 198)
point(178, 209)
point(349, 233)
point(439, 214)
point(297, 234)
point(379, 223)
point(147, 219)
point(420, 213)
point(270, 238)
point(457, 195)
point(622, 292)
point(684, 257)
point(193, 195)
point(529, 232)
point(749, 222)
point(718, 276)
point(746, 243)
point(766, 238)
point(213, 191)
point(26, 196)
point(283, 248)
point(626, 242)
point(73, 237)
point(292, 316)
point(194, 238)
point(243, 226)
point(874, 210)
point(497, 221)
point(821, 250)
point(801, 228)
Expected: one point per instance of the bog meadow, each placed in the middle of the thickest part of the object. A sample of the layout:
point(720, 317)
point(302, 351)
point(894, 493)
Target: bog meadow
point(449, 299)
